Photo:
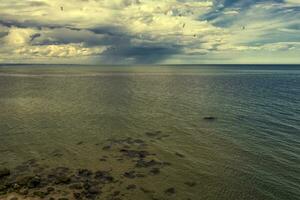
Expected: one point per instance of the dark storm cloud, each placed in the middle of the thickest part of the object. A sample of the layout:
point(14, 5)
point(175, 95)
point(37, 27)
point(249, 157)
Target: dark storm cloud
point(37, 3)
point(29, 24)
point(90, 38)
point(3, 34)
point(139, 54)
point(119, 40)
point(123, 48)
point(109, 30)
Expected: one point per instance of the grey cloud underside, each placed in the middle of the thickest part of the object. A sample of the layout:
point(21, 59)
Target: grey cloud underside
point(3, 34)
point(30, 24)
point(139, 54)
point(119, 42)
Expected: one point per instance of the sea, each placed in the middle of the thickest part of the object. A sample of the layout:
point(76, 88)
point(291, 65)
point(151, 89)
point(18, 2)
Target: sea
point(211, 132)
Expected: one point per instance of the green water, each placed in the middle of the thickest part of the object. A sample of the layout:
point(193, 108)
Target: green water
point(251, 151)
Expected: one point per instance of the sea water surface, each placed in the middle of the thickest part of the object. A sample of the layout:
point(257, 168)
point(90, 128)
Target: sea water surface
point(63, 116)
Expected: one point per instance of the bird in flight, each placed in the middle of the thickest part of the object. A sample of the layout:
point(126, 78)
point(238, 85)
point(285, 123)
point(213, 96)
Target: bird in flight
point(62, 8)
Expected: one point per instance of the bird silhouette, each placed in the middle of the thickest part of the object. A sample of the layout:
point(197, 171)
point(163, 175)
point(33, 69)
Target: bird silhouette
point(62, 8)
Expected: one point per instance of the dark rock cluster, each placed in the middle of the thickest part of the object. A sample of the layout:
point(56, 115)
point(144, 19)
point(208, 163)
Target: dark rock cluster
point(32, 180)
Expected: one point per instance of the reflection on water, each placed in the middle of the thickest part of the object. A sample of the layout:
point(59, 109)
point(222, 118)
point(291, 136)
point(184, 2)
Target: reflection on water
point(64, 116)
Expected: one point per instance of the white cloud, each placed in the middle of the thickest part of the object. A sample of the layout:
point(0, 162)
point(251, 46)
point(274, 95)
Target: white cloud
point(18, 36)
point(81, 28)
point(293, 2)
point(231, 12)
point(69, 50)
point(17, 44)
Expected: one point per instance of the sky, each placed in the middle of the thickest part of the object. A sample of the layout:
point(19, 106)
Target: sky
point(150, 31)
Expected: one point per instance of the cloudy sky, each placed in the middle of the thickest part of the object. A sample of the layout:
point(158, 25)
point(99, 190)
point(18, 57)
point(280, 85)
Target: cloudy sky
point(149, 31)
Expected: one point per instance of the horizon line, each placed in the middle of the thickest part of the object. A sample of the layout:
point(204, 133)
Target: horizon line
point(200, 64)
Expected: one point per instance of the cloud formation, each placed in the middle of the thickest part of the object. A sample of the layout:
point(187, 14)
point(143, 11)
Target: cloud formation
point(149, 31)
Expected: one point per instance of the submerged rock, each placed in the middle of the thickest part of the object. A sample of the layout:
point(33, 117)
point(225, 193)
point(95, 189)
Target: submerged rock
point(76, 186)
point(155, 171)
point(144, 164)
point(130, 174)
point(64, 179)
point(2, 188)
point(153, 134)
point(23, 191)
point(31, 162)
point(16, 186)
point(84, 173)
point(40, 194)
point(209, 118)
point(56, 153)
point(190, 184)
point(140, 175)
point(145, 190)
point(50, 189)
point(179, 155)
point(22, 168)
point(34, 182)
point(170, 191)
point(59, 171)
point(134, 153)
point(116, 193)
point(131, 187)
point(77, 195)
point(4, 172)
point(166, 163)
point(93, 190)
point(138, 141)
point(44, 182)
point(104, 176)
point(108, 147)
point(162, 137)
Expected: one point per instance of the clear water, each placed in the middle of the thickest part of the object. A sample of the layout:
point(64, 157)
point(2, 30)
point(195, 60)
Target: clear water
point(251, 151)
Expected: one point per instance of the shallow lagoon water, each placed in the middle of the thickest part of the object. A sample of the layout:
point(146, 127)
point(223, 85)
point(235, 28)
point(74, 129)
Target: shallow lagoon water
point(63, 116)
